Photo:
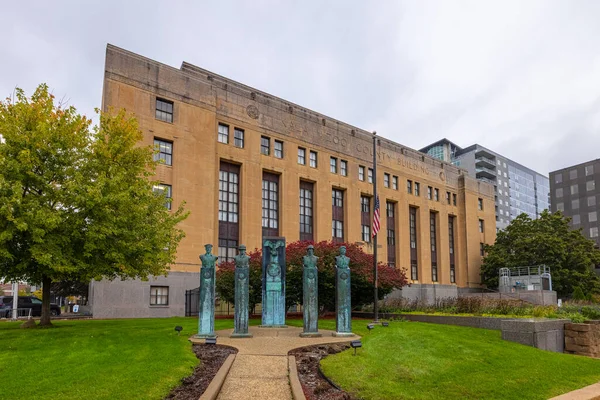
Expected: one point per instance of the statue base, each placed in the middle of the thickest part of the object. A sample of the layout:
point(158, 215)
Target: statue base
point(205, 336)
point(240, 335)
point(343, 334)
point(272, 326)
point(310, 334)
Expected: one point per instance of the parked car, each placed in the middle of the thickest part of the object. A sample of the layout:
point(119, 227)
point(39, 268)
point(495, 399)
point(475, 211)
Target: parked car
point(35, 304)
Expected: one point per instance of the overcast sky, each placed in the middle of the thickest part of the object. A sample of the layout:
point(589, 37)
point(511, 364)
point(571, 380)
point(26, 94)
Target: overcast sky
point(520, 77)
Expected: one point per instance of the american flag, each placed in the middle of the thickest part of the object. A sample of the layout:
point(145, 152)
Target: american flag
point(376, 224)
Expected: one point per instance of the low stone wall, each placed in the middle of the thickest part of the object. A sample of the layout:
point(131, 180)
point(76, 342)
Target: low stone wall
point(542, 334)
point(583, 339)
point(473, 322)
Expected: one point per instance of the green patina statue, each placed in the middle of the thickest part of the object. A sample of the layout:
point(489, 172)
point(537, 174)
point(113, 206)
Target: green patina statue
point(273, 279)
point(310, 286)
point(343, 322)
point(206, 317)
point(242, 275)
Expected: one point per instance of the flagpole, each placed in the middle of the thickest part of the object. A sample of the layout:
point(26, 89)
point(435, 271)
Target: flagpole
point(375, 277)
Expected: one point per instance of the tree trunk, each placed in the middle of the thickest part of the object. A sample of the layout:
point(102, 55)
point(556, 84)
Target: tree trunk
point(45, 320)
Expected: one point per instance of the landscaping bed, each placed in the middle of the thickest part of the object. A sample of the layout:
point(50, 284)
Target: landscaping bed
point(211, 359)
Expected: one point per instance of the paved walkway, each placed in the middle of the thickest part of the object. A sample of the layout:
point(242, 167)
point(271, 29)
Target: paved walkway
point(260, 369)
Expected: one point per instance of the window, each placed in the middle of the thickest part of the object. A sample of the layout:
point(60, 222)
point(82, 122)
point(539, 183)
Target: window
point(433, 241)
point(559, 193)
point(480, 204)
point(164, 190)
point(313, 159)
point(370, 175)
point(591, 201)
point(593, 216)
point(361, 173)
point(366, 233)
point(238, 138)
point(391, 238)
point(481, 226)
point(365, 218)
point(558, 178)
point(448, 198)
point(436, 194)
point(386, 180)
point(270, 204)
point(451, 245)
point(306, 211)
point(301, 156)
point(228, 249)
point(409, 186)
point(395, 182)
point(576, 219)
point(278, 149)
point(574, 204)
point(265, 145)
point(337, 211)
point(573, 174)
point(164, 110)
point(590, 185)
point(365, 204)
point(228, 211)
point(223, 134)
point(391, 233)
point(417, 188)
point(333, 165)
point(163, 151)
point(589, 170)
point(343, 167)
point(594, 232)
point(574, 189)
point(482, 249)
point(560, 206)
point(159, 295)
point(429, 191)
point(453, 199)
point(414, 271)
point(389, 210)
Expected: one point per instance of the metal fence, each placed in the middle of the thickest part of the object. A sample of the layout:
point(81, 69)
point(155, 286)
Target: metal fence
point(23, 313)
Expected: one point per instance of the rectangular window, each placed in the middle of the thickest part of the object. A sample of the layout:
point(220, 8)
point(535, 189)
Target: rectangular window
point(589, 170)
point(164, 190)
point(574, 204)
point(480, 204)
point(559, 193)
point(573, 174)
point(370, 175)
point(429, 192)
point(590, 185)
point(343, 167)
point(306, 211)
point(417, 189)
point(414, 270)
point(436, 194)
point(433, 241)
point(453, 199)
point(591, 201)
point(389, 210)
point(159, 295)
point(301, 156)
point(482, 249)
point(395, 182)
point(365, 218)
point(576, 219)
point(592, 216)
point(337, 212)
point(270, 204)
point(333, 165)
point(366, 233)
point(409, 186)
point(361, 173)
point(223, 134)
point(558, 178)
point(278, 149)
point(594, 232)
point(163, 151)
point(238, 138)
point(265, 145)
point(481, 226)
point(386, 180)
point(313, 159)
point(451, 245)
point(560, 207)
point(574, 189)
point(448, 201)
point(229, 200)
point(365, 204)
point(228, 249)
point(391, 233)
point(164, 110)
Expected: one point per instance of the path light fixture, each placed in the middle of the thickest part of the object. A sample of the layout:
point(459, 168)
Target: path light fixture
point(355, 345)
point(211, 341)
point(370, 327)
point(386, 324)
point(178, 329)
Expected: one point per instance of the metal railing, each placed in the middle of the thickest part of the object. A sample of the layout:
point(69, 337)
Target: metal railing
point(23, 313)
point(484, 169)
point(485, 159)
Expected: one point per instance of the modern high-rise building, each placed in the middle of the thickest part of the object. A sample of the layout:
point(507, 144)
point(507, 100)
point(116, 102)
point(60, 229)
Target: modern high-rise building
point(574, 191)
point(517, 189)
point(249, 164)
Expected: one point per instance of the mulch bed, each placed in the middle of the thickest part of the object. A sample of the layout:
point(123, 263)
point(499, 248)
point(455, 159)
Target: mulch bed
point(314, 384)
point(211, 359)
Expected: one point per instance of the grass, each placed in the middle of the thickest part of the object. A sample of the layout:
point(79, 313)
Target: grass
point(97, 359)
point(411, 360)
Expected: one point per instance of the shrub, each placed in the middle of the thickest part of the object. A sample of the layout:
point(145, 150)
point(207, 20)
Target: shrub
point(578, 294)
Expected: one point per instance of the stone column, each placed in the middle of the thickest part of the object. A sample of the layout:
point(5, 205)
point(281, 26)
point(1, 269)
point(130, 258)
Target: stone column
point(206, 317)
point(343, 308)
point(310, 287)
point(242, 275)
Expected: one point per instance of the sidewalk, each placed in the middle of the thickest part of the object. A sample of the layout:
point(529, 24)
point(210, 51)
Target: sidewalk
point(260, 369)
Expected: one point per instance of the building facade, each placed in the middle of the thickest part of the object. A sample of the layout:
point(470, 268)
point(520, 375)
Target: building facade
point(575, 191)
point(249, 165)
point(517, 189)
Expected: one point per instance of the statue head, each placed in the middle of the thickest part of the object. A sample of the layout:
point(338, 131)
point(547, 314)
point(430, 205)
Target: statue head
point(310, 249)
point(242, 249)
point(208, 248)
point(343, 250)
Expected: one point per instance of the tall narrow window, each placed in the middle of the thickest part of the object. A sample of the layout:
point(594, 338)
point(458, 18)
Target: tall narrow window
point(453, 199)
point(278, 149)
point(223, 134)
point(313, 159)
point(333, 165)
point(306, 211)
point(481, 226)
point(395, 182)
point(164, 110)
point(370, 175)
point(365, 218)
point(433, 241)
point(414, 270)
point(480, 204)
point(361, 173)
point(429, 192)
point(163, 151)
point(409, 186)
point(238, 138)
point(343, 167)
point(229, 200)
point(436, 194)
point(265, 145)
point(451, 245)
point(386, 180)
point(164, 190)
point(301, 156)
point(270, 204)
point(390, 211)
point(337, 211)
point(482, 249)
point(448, 198)
point(417, 188)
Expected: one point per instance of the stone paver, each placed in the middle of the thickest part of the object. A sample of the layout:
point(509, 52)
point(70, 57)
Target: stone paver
point(260, 369)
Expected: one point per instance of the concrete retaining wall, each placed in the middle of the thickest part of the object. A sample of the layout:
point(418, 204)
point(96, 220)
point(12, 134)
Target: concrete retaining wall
point(473, 322)
point(427, 293)
point(542, 334)
point(583, 339)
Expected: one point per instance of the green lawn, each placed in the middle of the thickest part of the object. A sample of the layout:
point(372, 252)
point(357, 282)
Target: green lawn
point(97, 359)
point(412, 360)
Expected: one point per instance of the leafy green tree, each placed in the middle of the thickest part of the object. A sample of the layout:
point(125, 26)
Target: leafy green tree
point(578, 294)
point(77, 203)
point(550, 241)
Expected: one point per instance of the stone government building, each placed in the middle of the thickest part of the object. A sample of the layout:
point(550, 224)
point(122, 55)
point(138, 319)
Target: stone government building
point(249, 164)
